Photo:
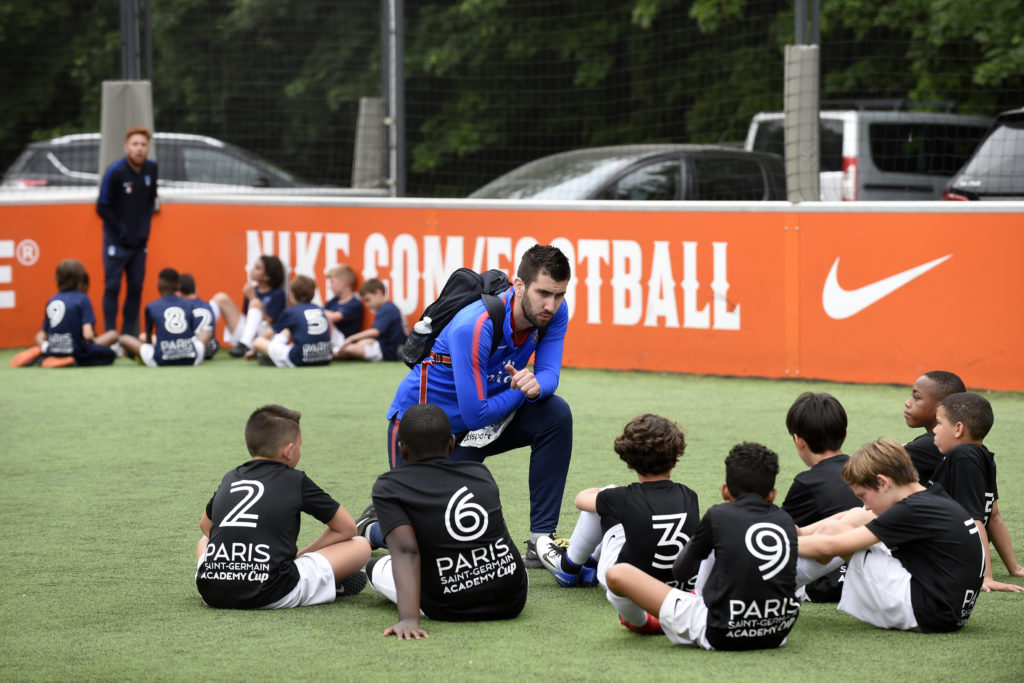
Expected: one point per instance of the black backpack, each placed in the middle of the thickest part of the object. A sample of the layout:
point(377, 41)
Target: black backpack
point(463, 287)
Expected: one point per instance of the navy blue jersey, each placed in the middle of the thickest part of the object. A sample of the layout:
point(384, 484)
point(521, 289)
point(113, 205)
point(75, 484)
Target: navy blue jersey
point(310, 332)
point(203, 318)
point(126, 202)
point(250, 560)
point(925, 456)
point(470, 569)
point(66, 313)
point(937, 542)
point(474, 391)
point(393, 329)
point(169, 329)
point(351, 314)
point(658, 519)
point(968, 475)
point(750, 591)
point(273, 300)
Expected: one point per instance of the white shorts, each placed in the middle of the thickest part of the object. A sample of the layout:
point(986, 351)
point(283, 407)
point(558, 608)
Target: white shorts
point(315, 587)
point(372, 352)
point(278, 352)
point(684, 619)
point(382, 579)
point(148, 353)
point(876, 590)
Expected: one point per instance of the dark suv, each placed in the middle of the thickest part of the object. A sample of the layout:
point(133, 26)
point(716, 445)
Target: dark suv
point(996, 170)
point(185, 161)
point(645, 173)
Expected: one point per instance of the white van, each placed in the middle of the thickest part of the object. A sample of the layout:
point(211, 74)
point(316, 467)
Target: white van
point(881, 155)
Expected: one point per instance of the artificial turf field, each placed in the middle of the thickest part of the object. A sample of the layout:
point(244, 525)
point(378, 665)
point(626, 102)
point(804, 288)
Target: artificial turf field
point(105, 473)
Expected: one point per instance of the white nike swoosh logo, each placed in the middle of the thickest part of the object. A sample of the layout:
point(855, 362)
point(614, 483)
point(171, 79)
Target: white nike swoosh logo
point(842, 303)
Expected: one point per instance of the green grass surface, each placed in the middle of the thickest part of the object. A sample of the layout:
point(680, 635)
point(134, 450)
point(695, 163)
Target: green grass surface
point(105, 472)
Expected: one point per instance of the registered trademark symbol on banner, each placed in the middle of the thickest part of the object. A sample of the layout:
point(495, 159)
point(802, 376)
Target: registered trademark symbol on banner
point(28, 252)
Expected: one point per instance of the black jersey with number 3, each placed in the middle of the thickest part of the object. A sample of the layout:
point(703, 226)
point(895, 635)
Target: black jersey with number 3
point(750, 590)
point(250, 560)
point(658, 518)
point(938, 543)
point(470, 570)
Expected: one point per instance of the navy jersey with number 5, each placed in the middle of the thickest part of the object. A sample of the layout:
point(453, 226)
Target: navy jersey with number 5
point(750, 590)
point(470, 570)
point(250, 560)
point(310, 331)
point(658, 519)
point(170, 317)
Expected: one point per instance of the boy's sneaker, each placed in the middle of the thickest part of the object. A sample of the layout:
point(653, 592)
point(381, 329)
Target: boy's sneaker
point(550, 554)
point(26, 357)
point(58, 361)
point(651, 627)
point(531, 559)
point(367, 517)
point(588, 575)
point(238, 350)
point(263, 359)
point(351, 585)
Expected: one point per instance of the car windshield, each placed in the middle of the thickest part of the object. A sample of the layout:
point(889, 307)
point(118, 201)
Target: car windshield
point(1001, 154)
point(560, 176)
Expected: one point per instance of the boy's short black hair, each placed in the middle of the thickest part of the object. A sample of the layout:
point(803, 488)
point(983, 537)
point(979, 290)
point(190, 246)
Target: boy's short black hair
point(946, 383)
point(973, 410)
point(650, 444)
point(69, 275)
point(303, 288)
point(372, 285)
point(269, 428)
point(751, 468)
point(274, 269)
point(819, 419)
point(186, 284)
point(543, 258)
point(425, 430)
point(167, 281)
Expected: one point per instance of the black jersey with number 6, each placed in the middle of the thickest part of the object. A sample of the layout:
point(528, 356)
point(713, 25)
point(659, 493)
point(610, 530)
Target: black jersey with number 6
point(750, 590)
point(250, 560)
point(658, 519)
point(937, 542)
point(470, 570)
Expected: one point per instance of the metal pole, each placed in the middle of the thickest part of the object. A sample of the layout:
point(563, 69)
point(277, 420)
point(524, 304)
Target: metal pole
point(800, 22)
point(148, 13)
point(392, 79)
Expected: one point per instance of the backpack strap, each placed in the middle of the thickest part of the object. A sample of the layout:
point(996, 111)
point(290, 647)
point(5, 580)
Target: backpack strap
point(496, 310)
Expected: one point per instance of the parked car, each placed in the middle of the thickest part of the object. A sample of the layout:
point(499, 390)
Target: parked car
point(645, 172)
point(868, 154)
point(185, 161)
point(996, 169)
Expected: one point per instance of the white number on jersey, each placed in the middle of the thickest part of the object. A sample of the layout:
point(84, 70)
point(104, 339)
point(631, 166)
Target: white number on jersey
point(55, 312)
point(464, 519)
point(316, 321)
point(175, 321)
point(239, 516)
point(672, 538)
point(204, 319)
point(768, 542)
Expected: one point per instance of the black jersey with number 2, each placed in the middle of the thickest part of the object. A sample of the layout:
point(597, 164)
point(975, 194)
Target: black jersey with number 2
point(470, 570)
point(658, 519)
point(750, 590)
point(250, 560)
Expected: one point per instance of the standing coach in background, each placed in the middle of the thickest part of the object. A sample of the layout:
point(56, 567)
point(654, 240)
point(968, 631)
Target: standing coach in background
point(126, 203)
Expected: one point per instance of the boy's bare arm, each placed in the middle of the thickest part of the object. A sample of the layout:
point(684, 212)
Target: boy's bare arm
point(990, 584)
point(340, 528)
point(823, 547)
point(999, 534)
point(586, 500)
point(405, 565)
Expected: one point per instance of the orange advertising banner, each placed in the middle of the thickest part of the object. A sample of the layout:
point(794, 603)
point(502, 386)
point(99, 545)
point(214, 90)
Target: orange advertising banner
point(858, 293)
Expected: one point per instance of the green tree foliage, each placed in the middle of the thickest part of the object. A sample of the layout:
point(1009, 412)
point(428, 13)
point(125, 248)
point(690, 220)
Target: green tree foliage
point(490, 84)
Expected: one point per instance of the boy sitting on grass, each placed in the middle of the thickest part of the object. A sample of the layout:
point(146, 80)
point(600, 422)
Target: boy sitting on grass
point(743, 556)
point(451, 557)
point(301, 335)
point(916, 566)
point(247, 555)
point(968, 474)
point(645, 524)
point(169, 336)
point(919, 411)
